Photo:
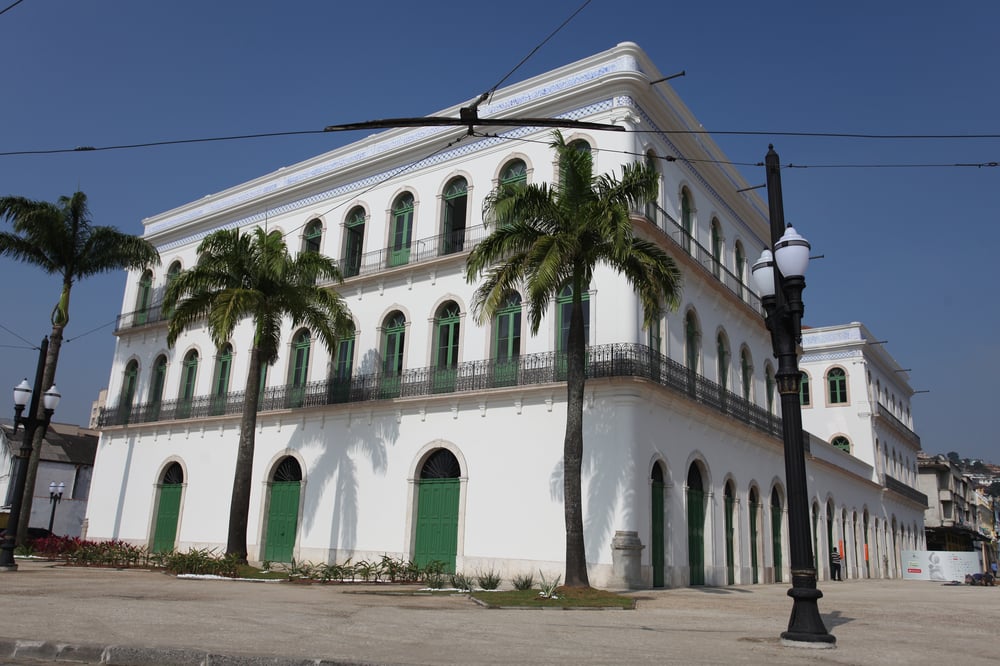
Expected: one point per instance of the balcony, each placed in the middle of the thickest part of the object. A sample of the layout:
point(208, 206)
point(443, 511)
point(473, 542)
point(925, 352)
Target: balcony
point(897, 486)
point(898, 425)
point(618, 360)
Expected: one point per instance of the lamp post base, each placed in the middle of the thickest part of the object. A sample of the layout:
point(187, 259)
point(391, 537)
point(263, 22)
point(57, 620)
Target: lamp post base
point(805, 628)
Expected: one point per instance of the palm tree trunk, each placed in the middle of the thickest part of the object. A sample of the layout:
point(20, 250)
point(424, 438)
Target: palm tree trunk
point(576, 349)
point(48, 379)
point(239, 507)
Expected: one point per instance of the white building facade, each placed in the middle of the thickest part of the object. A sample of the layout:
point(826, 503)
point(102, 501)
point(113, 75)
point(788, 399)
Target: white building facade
point(427, 436)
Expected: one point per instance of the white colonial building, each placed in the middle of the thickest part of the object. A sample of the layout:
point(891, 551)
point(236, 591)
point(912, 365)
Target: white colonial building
point(427, 436)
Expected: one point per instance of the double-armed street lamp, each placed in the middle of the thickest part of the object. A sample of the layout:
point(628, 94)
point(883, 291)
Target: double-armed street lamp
point(779, 278)
point(22, 394)
point(55, 496)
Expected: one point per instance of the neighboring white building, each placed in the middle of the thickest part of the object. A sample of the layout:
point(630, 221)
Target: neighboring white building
point(67, 457)
point(427, 436)
point(856, 400)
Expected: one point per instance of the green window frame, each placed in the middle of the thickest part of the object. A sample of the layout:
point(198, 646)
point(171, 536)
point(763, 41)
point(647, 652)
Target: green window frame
point(746, 372)
point(805, 397)
point(312, 237)
point(692, 342)
point(651, 204)
point(143, 297)
point(343, 366)
point(220, 382)
point(687, 223)
point(564, 310)
point(514, 172)
point(654, 336)
point(447, 326)
point(354, 239)
point(455, 210)
point(716, 248)
point(739, 262)
point(842, 443)
point(836, 381)
point(769, 389)
point(402, 230)
point(189, 376)
point(301, 345)
point(507, 330)
point(722, 357)
point(393, 341)
point(172, 273)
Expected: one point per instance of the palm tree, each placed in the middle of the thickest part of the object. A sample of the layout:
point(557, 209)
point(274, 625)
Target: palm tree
point(252, 276)
point(61, 240)
point(549, 238)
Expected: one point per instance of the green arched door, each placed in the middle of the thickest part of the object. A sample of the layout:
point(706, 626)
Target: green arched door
point(776, 533)
point(754, 502)
point(657, 552)
point(437, 510)
point(283, 511)
point(696, 526)
point(168, 509)
point(730, 533)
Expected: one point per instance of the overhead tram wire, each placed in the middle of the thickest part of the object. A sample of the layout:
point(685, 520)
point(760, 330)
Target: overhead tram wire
point(10, 7)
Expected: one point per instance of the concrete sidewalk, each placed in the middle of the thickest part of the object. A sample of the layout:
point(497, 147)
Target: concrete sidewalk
point(60, 613)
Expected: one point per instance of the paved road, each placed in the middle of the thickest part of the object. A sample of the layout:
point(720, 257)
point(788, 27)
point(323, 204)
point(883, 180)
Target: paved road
point(152, 618)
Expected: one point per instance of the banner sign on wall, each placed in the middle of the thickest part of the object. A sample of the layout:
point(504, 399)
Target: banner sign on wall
point(943, 565)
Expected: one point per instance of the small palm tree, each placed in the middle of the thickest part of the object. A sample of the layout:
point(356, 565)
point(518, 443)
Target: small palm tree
point(547, 238)
point(252, 276)
point(61, 240)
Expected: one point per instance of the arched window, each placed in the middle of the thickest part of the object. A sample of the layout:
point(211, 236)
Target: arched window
point(651, 205)
point(740, 265)
point(447, 323)
point(129, 381)
point(746, 372)
point(400, 236)
point(564, 310)
point(392, 343)
point(514, 172)
point(189, 374)
point(343, 367)
point(156, 386)
point(769, 388)
point(172, 273)
point(312, 236)
point(805, 399)
point(687, 223)
point(456, 198)
point(298, 368)
point(580, 146)
point(143, 298)
point(722, 357)
point(692, 341)
point(776, 515)
point(716, 248)
point(842, 443)
point(836, 381)
point(220, 383)
point(507, 333)
point(354, 239)
point(655, 337)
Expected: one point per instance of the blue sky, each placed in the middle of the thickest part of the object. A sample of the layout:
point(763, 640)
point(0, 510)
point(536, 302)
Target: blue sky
point(906, 249)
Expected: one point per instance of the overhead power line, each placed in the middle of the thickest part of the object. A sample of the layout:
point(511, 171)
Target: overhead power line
point(10, 7)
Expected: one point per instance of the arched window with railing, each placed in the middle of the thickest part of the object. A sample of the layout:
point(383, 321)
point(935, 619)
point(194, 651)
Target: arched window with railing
point(454, 214)
point(354, 240)
point(401, 232)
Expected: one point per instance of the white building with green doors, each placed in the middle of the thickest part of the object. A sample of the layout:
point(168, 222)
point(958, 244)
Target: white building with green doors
point(427, 436)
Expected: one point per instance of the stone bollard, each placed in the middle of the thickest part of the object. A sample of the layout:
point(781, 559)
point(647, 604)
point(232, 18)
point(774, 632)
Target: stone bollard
point(626, 554)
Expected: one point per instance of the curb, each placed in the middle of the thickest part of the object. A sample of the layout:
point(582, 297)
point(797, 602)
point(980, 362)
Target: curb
point(124, 655)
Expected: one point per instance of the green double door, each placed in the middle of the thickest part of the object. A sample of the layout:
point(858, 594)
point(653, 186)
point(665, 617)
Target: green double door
point(167, 515)
point(282, 520)
point(437, 522)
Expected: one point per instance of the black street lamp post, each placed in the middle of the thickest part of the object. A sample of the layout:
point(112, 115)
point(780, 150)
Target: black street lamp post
point(55, 496)
point(779, 276)
point(31, 423)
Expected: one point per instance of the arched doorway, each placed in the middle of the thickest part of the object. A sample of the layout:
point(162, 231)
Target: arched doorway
point(657, 550)
point(437, 510)
point(830, 543)
point(696, 525)
point(168, 508)
point(730, 501)
point(776, 533)
point(754, 502)
point(283, 510)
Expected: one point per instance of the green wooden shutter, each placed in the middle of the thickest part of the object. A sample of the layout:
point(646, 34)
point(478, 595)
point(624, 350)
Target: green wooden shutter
point(696, 535)
point(282, 519)
point(167, 515)
point(437, 522)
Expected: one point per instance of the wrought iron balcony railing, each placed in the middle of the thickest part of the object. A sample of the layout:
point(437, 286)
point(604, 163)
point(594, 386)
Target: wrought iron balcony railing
point(898, 486)
point(617, 360)
point(899, 425)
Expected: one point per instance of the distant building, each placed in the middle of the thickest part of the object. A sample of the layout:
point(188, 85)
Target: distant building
point(429, 436)
point(67, 457)
point(96, 407)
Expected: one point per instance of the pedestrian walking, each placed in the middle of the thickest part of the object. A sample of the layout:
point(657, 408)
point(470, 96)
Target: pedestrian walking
point(835, 565)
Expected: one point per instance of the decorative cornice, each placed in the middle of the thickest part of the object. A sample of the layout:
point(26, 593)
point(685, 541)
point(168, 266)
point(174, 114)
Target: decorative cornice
point(815, 357)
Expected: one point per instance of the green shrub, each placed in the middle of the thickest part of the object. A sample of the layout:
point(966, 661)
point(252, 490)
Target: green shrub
point(488, 580)
point(433, 574)
point(523, 581)
point(548, 586)
point(461, 582)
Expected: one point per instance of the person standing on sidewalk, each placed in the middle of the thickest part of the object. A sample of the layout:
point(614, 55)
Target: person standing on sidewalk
point(835, 565)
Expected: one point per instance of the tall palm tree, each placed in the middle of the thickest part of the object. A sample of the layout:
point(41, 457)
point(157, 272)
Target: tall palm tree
point(253, 276)
point(61, 240)
point(547, 238)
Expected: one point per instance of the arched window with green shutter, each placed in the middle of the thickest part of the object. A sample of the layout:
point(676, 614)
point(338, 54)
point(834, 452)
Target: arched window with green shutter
point(455, 211)
point(400, 235)
point(156, 384)
point(299, 368)
point(842, 443)
point(189, 374)
point(447, 325)
point(343, 369)
point(129, 381)
point(687, 219)
point(220, 382)
point(805, 399)
point(837, 385)
point(776, 521)
point(172, 273)
point(514, 172)
point(354, 239)
point(143, 298)
point(312, 236)
point(746, 373)
point(722, 358)
point(393, 344)
point(716, 248)
point(507, 341)
point(564, 312)
point(651, 163)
